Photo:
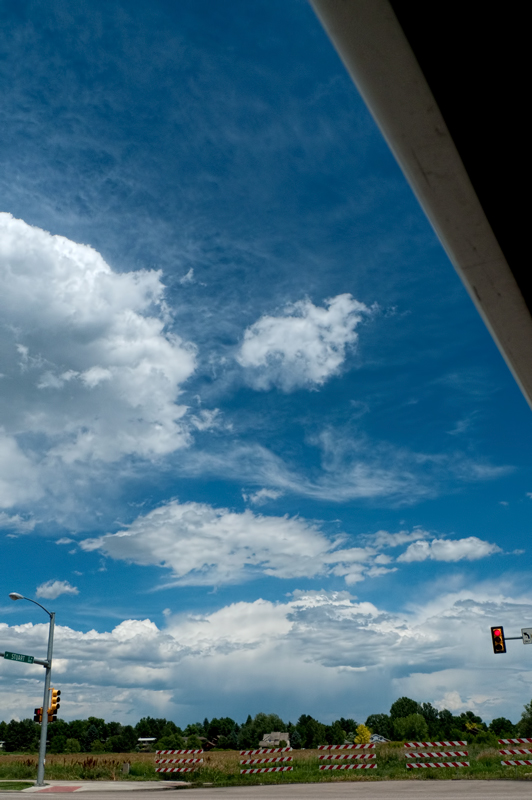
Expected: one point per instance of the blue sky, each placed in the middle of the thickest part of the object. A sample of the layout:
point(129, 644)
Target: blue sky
point(257, 449)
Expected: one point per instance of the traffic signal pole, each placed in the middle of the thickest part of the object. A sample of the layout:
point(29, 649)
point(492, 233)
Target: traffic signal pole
point(44, 724)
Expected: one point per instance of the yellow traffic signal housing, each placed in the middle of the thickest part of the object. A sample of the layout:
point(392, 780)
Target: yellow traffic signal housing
point(497, 639)
point(37, 715)
point(55, 697)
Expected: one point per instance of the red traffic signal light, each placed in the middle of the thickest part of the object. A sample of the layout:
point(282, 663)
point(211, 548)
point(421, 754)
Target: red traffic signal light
point(497, 639)
point(37, 715)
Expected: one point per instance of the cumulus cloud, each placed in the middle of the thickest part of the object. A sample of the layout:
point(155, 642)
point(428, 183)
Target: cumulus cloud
point(469, 549)
point(302, 347)
point(308, 654)
point(52, 589)
point(87, 360)
point(203, 545)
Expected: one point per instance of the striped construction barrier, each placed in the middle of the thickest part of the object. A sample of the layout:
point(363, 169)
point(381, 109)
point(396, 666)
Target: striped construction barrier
point(194, 762)
point(446, 754)
point(266, 760)
point(517, 752)
point(443, 764)
point(418, 745)
point(515, 741)
point(431, 754)
point(348, 766)
point(176, 769)
point(346, 746)
point(264, 751)
point(268, 769)
point(351, 756)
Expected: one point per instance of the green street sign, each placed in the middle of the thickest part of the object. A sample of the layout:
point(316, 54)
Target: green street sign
point(18, 657)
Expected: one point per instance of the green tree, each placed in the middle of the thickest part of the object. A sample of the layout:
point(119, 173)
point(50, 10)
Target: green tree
point(311, 731)
point(150, 727)
point(404, 707)
point(381, 724)
point(57, 745)
point(335, 733)
point(295, 739)
point(22, 736)
point(431, 716)
point(194, 742)
point(502, 728)
point(219, 727)
point(524, 726)
point(173, 742)
point(413, 727)
point(72, 746)
point(97, 746)
point(471, 723)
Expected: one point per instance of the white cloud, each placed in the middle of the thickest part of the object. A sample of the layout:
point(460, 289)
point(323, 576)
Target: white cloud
point(188, 278)
point(16, 523)
point(52, 589)
point(87, 358)
point(304, 346)
point(262, 496)
point(468, 549)
point(19, 480)
point(308, 654)
point(203, 545)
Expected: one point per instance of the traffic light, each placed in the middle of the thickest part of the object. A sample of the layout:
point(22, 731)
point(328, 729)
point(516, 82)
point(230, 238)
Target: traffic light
point(37, 715)
point(497, 639)
point(55, 697)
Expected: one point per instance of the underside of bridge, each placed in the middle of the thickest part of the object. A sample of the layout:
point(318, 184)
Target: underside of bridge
point(445, 83)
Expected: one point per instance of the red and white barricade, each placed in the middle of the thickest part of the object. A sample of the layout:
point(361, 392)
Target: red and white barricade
point(330, 756)
point(268, 769)
point(192, 763)
point(419, 745)
point(517, 751)
point(263, 751)
point(346, 746)
point(515, 741)
point(266, 760)
point(348, 766)
point(351, 757)
point(439, 754)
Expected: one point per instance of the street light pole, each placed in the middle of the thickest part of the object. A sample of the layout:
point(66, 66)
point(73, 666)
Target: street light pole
point(47, 680)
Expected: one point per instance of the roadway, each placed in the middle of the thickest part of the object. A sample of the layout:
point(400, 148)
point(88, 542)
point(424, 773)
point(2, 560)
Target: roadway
point(359, 790)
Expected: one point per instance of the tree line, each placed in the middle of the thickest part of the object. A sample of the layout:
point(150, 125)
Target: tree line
point(406, 720)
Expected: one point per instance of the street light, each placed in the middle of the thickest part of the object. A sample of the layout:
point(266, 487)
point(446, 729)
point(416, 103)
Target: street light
point(47, 679)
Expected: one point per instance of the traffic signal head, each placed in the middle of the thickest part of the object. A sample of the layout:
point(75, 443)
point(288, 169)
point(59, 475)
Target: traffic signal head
point(37, 715)
point(497, 639)
point(55, 697)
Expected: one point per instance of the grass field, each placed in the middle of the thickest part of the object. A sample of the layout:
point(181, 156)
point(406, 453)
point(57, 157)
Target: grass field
point(223, 768)
point(12, 786)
